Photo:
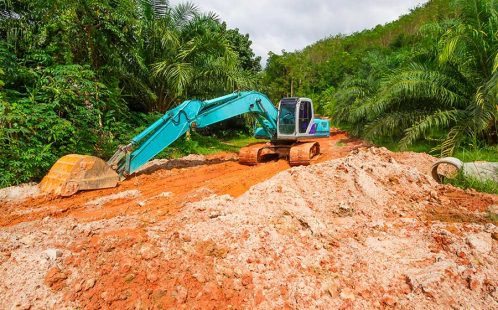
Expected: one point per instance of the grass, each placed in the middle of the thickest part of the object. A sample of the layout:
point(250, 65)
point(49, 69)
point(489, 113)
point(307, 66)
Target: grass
point(467, 182)
point(241, 141)
point(418, 147)
point(489, 153)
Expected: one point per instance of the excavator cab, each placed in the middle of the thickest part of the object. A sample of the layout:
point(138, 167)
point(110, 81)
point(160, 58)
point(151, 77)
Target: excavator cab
point(296, 119)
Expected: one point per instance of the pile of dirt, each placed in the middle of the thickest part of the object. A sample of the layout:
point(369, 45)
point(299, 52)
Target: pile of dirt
point(349, 231)
point(19, 193)
point(368, 230)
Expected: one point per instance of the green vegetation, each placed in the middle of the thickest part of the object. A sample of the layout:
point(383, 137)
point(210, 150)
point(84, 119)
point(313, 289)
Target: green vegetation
point(320, 69)
point(467, 182)
point(85, 76)
point(488, 153)
point(428, 81)
point(206, 145)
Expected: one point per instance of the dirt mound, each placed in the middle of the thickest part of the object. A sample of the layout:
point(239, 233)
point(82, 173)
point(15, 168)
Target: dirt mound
point(19, 193)
point(368, 230)
point(345, 232)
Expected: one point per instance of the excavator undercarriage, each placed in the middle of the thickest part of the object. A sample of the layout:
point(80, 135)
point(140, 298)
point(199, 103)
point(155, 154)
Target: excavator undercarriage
point(298, 153)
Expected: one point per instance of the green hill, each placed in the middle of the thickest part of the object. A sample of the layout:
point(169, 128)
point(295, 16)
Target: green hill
point(392, 34)
point(430, 78)
point(326, 62)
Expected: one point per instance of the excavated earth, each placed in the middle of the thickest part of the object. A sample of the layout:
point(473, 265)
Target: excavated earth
point(360, 228)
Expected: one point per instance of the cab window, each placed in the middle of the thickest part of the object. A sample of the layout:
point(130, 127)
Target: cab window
point(287, 118)
point(304, 116)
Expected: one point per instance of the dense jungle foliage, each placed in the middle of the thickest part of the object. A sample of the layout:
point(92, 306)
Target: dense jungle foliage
point(430, 77)
point(76, 75)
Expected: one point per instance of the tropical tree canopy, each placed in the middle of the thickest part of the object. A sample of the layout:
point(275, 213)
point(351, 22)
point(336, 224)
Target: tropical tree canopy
point(430, 76)
point(448, 91)
point(76, 76)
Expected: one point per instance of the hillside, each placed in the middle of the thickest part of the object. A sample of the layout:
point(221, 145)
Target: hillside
point(390, 35)
point(426, 79)
point(326, 63)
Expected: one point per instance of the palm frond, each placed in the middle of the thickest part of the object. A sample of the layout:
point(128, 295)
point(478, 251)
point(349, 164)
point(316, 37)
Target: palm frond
point(391, 124)
point(495, 63)
point(434, 121)
point(184, 12)
point(177, 74)
point(451, 141)
point(418, 84)
point(160, 7)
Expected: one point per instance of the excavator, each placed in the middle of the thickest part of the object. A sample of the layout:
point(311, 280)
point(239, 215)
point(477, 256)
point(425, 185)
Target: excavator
point(290, 130)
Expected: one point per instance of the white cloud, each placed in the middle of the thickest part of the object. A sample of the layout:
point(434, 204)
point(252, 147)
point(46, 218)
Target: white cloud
point(276, 25)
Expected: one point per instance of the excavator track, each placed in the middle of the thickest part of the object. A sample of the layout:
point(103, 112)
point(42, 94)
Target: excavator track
point(250, 155)
point(301, 154)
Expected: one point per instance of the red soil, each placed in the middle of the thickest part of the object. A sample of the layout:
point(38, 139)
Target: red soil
point(220, 174)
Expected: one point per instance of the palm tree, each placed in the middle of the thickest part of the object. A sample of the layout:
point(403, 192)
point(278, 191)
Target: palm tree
point(203, 61)
point(353, 94)
point(158, 35)
point(184, 54)
point(450, 90)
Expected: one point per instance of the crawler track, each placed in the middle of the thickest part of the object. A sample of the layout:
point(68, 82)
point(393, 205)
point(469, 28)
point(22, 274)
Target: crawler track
point(302, 153)
point(251, 154)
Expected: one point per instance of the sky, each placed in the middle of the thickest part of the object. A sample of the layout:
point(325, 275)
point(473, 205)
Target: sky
point(276, 25)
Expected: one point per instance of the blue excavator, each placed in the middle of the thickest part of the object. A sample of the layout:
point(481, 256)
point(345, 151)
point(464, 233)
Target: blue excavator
point(290, 130)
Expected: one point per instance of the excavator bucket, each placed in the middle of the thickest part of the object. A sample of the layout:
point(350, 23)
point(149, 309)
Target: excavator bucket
point(72, 173)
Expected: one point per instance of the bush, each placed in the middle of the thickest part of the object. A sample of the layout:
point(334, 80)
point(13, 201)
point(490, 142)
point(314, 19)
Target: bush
point(64, 112)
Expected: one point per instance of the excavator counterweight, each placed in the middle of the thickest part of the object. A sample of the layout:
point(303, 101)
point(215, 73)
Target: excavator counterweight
point(285, 127)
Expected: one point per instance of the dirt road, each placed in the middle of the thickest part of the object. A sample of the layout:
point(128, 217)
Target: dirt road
point(165, 186)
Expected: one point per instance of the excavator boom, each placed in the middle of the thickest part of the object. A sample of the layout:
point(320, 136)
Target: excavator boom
point(191, 113)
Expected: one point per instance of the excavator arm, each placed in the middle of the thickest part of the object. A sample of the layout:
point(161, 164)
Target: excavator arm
point(72, 173)
point(192, 113)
